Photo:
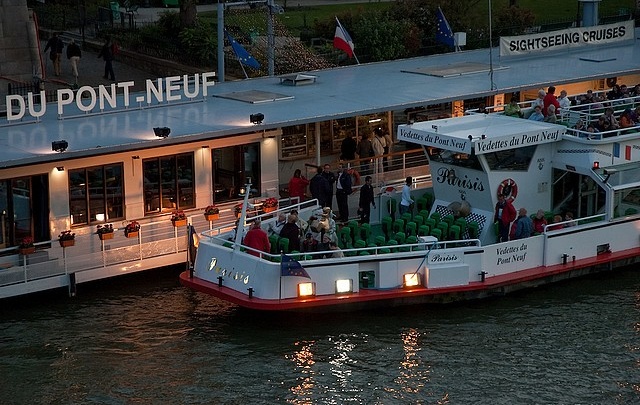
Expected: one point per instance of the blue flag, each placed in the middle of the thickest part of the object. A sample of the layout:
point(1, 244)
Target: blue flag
point(444, 34)
point(243, 56)
point(292, 267)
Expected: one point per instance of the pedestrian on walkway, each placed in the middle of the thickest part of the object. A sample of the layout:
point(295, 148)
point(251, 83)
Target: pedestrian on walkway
point(74, 54)
point(106, 53)
point(55, 45)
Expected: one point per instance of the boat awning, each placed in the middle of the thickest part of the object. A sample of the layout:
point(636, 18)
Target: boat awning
point(484, 132)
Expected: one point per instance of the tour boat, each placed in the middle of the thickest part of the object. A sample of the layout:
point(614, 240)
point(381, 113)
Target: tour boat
point(446, 249)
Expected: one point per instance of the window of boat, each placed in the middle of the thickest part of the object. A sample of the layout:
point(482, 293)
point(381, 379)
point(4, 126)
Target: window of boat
point(232, 168)
point(96, 194)
point(168, 183)
point(469, 161)
point(511, 159)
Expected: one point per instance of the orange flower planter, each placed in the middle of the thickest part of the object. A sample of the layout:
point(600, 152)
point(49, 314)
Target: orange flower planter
point(179, 222)
point(132, 235)
point(211, 217)
point(67, 242)
point(105, 236)
point(27, 251)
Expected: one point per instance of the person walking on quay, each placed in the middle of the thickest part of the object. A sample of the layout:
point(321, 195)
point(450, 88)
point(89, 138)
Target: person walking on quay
point(366, 199)
point(106, 53)
point(55, 45)
point(74, 54)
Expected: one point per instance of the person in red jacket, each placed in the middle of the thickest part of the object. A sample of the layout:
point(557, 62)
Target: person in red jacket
point(505, 213)
point(257, 239)
point(298, 186)
point(549, 99)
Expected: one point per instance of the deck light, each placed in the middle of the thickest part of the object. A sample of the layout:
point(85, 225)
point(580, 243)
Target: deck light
point(344, 286)
point(411, 279)
point(59, 146)
point(256, 118)
point(306, 289)
point(162, 132)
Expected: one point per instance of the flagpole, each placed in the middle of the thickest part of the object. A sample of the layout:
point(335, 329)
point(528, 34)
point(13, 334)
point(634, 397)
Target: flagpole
point(280, 278)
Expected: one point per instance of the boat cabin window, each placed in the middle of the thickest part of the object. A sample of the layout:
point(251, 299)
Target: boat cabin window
point(168, 183)
point(469, 161)
point(96, 194)
point(511, 159)
point(627, 201)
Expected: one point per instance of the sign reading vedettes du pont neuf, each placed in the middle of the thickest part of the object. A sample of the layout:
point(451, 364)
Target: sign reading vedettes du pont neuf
point(113, 96)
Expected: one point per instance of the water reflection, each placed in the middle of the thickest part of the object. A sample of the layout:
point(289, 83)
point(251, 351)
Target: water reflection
point(303, 361)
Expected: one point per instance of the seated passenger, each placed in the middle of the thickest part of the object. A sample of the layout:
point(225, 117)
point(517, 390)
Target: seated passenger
point(539, 221)
point(551, 114)
point(625, 119)
point(536, 115)
point(513, 109)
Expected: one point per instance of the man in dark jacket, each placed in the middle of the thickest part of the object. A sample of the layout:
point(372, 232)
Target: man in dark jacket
point(320, 188)
point(348, 148)
point(366, 199)
point(331, 178)
point(343, 190)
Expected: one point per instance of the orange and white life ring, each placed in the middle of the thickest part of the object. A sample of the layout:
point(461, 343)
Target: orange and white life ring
point(509, 189)
point(355, 176)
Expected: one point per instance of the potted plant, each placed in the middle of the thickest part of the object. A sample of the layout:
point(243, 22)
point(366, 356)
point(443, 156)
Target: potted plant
point(237, 210)
point(67, 238)
point(270, 204)
point(105, 231)
point(211, 213)
point(132, 229)
point(26, 246)
point(178, 218)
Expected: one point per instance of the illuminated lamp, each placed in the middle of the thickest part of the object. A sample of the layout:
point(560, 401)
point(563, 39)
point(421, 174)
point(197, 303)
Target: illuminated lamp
point(411, 279)
point(307, 289)
point(99, 217)
point(162, 132)
point(59, 146)
point(596, 165)
point(60, 168)
point(344, 286)
point(256, 118)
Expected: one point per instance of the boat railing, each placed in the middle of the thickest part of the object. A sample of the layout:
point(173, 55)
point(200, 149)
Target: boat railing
point(584, 222)
point(350, 253)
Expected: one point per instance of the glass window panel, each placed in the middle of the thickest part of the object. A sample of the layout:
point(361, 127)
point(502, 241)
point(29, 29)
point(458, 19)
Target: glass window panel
point(185, 181)
point(114, 191)
point(21, 189)
point(78, 197)
point(168, 183)
point(97, 209)
point(151, 172)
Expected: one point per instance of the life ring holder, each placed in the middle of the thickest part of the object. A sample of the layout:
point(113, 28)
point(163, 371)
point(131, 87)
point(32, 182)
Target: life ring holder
point(355, 176)
point(509, 189)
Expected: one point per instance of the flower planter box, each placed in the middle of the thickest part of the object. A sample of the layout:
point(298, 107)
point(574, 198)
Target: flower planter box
point(27, 251)
point(132, 235)
point(179, 222)
point(269, 209)
point(67, 242)
point(105, 236)
point(211, 217)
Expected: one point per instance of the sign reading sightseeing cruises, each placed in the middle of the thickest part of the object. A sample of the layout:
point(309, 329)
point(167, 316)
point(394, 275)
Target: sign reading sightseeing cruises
point(566, 39)
point(112, 97)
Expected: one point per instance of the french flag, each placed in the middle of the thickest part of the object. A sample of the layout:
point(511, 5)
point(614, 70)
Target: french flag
point(342, 40)
point(627, 151)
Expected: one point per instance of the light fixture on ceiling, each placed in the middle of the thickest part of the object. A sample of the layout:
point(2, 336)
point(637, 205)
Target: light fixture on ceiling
point(162, 132)
point(59, 146)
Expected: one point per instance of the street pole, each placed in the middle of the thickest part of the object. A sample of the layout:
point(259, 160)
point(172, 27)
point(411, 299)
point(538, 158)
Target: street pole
point(220, 41)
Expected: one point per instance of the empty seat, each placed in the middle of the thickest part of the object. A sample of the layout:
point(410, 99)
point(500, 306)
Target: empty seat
point(412, 240)
point(454, 232)
point(423, 230)
point(444, 227)
point(393, 245)
point(283, 245)
point(387, 223)
point(411, 229)
point(429, 197)
point(398, 226)
point(448, 219)
point(380, 240)
point(431, 223)
point(273, 240)
point(400, 237)
point(421, 204)
point(407, 216)
point(437, 233)
point(462, 223)
point(424, 214)
point(365, 232)
point(355, 229)
point(419, 220)
point(392, 205)
point(474, 229)
point(435, 216)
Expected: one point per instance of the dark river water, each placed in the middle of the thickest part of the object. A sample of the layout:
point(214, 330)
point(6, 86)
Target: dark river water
point(147, 340)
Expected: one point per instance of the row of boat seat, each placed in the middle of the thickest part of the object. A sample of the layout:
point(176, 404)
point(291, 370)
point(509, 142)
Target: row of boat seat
point(424, 224)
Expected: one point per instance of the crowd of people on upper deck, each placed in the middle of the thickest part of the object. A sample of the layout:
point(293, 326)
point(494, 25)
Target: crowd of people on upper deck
point(618, 112)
